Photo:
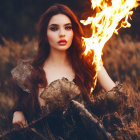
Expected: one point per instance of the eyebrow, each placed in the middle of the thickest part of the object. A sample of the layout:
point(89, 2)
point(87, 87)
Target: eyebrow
point(68, 24)
point(57, 24)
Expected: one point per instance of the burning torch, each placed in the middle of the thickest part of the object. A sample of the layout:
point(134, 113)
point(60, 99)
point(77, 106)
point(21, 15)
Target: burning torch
point(111, 15)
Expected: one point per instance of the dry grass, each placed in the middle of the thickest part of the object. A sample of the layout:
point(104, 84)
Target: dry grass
point(121, 57)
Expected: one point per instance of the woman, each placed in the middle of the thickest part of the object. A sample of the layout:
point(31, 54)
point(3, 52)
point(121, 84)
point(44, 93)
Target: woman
point(59, 55)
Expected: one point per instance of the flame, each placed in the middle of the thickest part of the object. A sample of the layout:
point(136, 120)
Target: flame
point(110, 16)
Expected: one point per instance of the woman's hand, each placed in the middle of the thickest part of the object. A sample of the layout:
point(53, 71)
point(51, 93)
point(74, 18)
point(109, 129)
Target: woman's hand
point(18, 118)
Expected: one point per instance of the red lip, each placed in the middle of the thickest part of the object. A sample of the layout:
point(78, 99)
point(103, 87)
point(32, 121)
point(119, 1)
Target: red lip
point(62, 42)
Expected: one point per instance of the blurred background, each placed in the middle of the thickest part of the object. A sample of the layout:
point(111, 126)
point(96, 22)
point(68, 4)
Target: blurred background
point(18, 19)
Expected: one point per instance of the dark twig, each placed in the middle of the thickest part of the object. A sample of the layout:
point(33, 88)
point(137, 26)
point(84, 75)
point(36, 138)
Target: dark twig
point(17, 128)
point(90, 122)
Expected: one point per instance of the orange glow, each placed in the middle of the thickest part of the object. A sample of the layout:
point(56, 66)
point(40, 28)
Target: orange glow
point(111, 15)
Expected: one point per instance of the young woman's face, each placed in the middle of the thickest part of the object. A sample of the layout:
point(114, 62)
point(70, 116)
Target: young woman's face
point(59, 32)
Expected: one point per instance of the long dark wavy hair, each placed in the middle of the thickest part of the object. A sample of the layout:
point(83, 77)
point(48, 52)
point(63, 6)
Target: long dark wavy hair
point(82, 65)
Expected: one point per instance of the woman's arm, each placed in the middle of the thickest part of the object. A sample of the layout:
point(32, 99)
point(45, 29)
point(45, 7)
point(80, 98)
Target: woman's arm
point(17, 112)
point(104, 79)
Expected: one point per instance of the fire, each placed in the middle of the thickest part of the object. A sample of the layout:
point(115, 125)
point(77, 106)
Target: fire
point(110, 16)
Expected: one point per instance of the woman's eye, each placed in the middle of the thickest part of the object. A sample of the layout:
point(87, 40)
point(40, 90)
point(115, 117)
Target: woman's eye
point(54, 28)
point(68, 27)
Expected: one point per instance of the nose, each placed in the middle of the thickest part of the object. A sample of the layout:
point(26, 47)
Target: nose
point(62, 33)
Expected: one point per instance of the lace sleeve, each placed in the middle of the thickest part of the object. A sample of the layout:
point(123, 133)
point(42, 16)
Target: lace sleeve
point(20, 74)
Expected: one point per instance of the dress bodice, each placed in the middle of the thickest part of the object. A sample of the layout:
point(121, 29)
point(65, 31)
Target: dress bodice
point(57, 94)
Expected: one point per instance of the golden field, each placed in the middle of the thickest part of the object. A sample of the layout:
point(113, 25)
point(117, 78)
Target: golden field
point(121, 57)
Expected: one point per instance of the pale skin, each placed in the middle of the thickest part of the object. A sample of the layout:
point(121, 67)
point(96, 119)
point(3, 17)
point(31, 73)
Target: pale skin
point(57, 64)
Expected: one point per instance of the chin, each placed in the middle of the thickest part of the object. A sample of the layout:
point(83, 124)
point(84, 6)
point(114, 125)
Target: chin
point(63, 48)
